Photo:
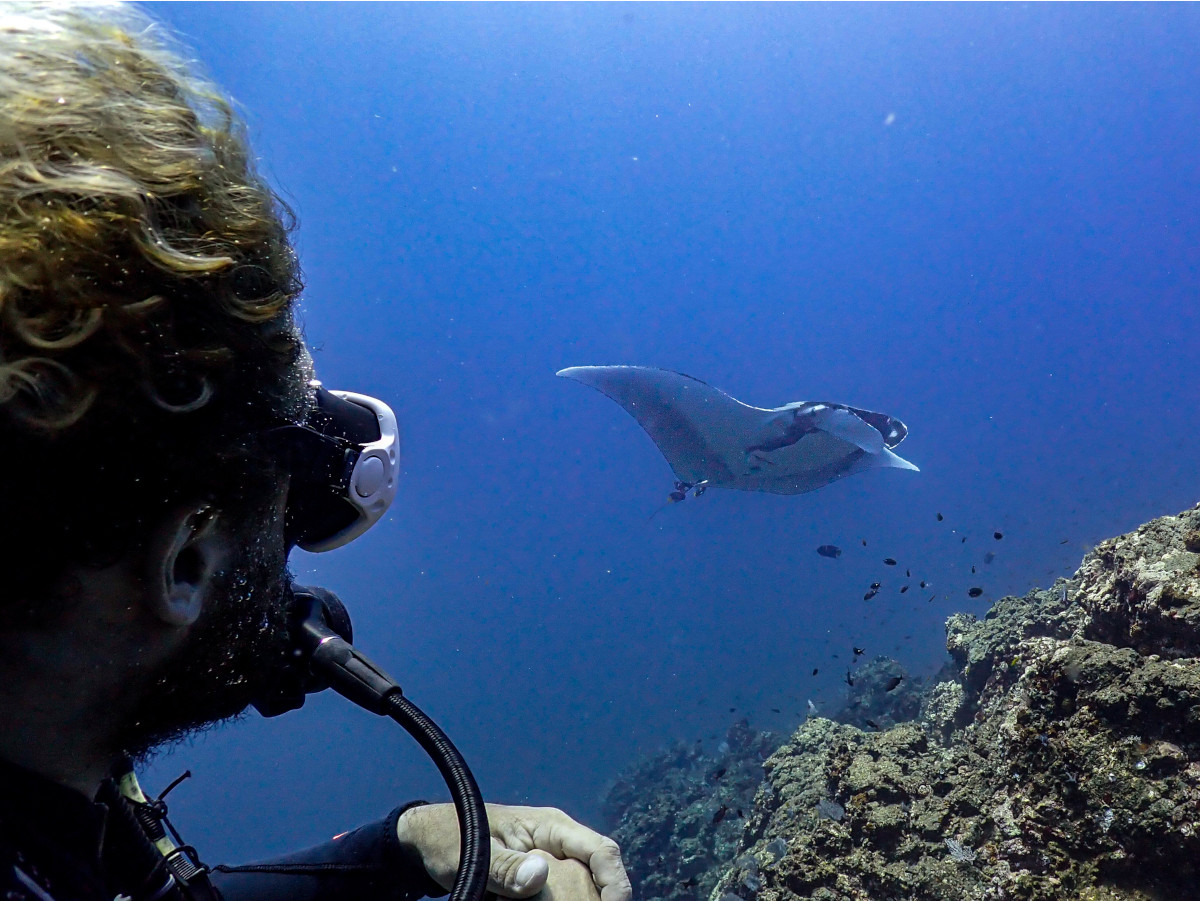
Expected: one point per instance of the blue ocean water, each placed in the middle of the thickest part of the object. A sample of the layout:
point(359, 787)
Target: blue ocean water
point(983, 220)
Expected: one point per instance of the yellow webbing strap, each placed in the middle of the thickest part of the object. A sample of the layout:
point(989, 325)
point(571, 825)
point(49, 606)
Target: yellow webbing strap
point(129, 788)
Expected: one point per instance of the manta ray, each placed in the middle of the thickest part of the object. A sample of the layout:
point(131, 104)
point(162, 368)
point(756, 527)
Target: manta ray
point(713, 440)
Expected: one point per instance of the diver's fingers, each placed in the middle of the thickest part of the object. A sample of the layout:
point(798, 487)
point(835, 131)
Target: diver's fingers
point(516, 874)
point(599, 852)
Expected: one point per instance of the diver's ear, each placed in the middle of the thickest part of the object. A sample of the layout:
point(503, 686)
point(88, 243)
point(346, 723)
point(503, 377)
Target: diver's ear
point(186, 551)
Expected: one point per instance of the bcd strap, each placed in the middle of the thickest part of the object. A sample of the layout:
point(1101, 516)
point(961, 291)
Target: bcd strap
point(185, 878)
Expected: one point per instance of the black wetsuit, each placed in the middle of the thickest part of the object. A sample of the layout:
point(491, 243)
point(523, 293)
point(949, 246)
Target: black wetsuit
point(56, 845)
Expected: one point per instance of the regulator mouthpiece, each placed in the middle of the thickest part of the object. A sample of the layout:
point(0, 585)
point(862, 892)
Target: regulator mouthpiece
point(322, 657)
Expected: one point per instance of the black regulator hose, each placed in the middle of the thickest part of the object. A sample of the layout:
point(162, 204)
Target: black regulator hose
point(324, 658)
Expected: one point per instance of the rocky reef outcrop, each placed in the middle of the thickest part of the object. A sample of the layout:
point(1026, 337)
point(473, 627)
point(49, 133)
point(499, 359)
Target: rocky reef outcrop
point(678, 815)
point(1058, 757)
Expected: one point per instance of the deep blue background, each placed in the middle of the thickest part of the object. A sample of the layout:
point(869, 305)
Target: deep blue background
point(982, 219)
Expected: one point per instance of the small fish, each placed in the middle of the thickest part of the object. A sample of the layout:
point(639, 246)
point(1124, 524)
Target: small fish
point(870, 594)
point(1064, 541)
point(889, 561)
point(904, 589)
point(815, 670)
point(1064, 594)
point(908, 574)
point(849, 679)
point(775, 710)
point(690, 882)
point(931, 597)
point(864, 541)
point(997, 535)
point(858, 652)
point(720, 814)
point(893, 682)
point(940, 517)
point(964, 541)
point(740, 815)
point(874, 586)
point(975, 592)
point(989, 557)
point(972, 569)
point(874, 725)
point(733, 710)
point(718, 773)
point(924, 584)
point(812, 708)
point(832, 551)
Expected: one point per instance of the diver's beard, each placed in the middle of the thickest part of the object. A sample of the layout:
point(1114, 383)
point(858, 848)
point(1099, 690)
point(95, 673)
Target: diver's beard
point(228, 659)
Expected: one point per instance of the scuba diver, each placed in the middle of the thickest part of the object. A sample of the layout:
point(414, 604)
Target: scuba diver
point(164, 448)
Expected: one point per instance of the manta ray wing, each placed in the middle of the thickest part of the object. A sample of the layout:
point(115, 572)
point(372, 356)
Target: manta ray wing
point(699, 429)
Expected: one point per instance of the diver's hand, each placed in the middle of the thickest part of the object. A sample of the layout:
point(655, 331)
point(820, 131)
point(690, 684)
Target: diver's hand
point(533, 849)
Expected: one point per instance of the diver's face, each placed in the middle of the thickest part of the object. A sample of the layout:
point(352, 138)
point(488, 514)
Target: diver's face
point(236, 643)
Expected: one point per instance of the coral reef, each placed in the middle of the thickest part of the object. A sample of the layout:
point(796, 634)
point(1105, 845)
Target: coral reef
point(1057, 757)
point(678, 815)
point(1062, 761)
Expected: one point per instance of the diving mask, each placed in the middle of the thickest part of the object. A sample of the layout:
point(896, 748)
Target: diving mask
point(344, 462)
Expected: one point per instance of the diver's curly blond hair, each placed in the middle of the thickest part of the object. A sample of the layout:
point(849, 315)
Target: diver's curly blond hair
point(136, 240)
point(147, 287)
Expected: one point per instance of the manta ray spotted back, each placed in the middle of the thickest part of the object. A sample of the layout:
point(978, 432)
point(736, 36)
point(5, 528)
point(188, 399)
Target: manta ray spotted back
point(712, 439)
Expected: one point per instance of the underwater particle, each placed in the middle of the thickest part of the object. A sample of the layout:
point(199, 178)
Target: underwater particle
point(889, 561)
point(940, 517)
point(849, 679)
point(931, 597)
point(989, 557)
point(858, 652)
point(903, 589)
point(720, 814)
point(830, 810)
point(997, 535)
point(974, 592)
point(874, 725)
point(893, 683)
point(960, 852)
point(832, 551)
